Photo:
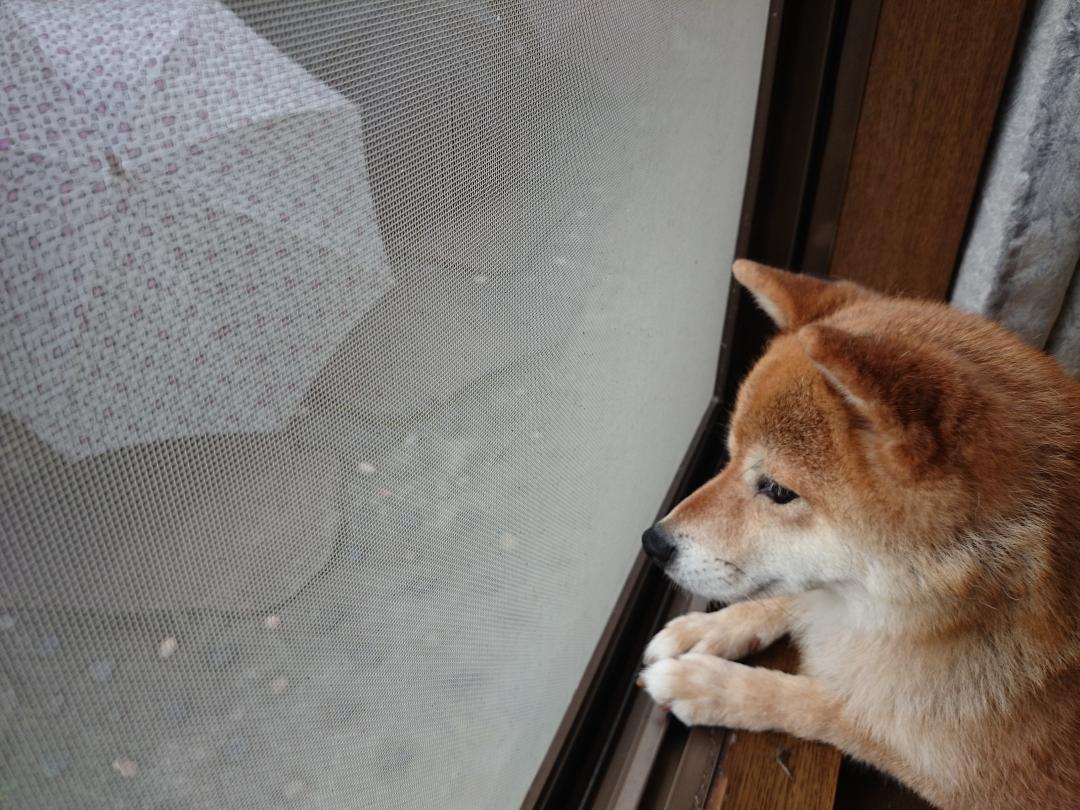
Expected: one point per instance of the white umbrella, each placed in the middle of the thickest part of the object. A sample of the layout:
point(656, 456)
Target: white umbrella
point(187, 230)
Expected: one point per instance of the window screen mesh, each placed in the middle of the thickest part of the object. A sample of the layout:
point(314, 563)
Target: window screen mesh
point(347, 347)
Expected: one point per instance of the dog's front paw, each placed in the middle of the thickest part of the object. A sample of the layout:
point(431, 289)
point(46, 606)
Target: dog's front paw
point(701, 690)
point(728, 633)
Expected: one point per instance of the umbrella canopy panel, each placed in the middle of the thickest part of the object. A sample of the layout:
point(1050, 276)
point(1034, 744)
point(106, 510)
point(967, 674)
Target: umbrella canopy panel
point(188, 229)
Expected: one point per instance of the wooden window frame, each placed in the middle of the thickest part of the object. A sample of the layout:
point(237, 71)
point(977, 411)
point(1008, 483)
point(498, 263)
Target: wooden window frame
point(872, 125)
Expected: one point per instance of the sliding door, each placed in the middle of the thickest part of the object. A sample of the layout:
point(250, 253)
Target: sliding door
point(347, 348)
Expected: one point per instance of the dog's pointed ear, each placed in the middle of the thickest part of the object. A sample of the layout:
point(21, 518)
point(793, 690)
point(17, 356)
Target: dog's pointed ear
point(910, 396)
point(792, 300)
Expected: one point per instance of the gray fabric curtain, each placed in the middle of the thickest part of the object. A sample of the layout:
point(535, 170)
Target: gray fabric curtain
point(1020, 265)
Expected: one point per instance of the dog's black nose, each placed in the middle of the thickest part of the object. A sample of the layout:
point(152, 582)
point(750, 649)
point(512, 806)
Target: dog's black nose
point(657, 545)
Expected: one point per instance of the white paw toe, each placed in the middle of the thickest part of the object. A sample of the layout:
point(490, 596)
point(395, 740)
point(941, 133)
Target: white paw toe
point(664, 644)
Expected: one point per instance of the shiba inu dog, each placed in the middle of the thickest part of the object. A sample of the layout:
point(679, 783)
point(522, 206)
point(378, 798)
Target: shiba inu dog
point(903, 498)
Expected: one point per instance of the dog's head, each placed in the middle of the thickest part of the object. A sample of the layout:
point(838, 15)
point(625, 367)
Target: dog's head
point(859, 444)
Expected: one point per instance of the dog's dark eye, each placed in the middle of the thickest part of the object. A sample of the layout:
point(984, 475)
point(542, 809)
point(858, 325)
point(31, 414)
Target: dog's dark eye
point(774, 492)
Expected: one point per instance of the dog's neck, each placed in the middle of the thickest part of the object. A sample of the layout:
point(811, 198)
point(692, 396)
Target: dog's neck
point(958, 634)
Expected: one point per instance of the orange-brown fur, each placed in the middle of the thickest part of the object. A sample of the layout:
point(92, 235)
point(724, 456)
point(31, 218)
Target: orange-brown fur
point(929, 570)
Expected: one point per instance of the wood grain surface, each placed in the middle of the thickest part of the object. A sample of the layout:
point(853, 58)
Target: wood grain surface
point(928, 111)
